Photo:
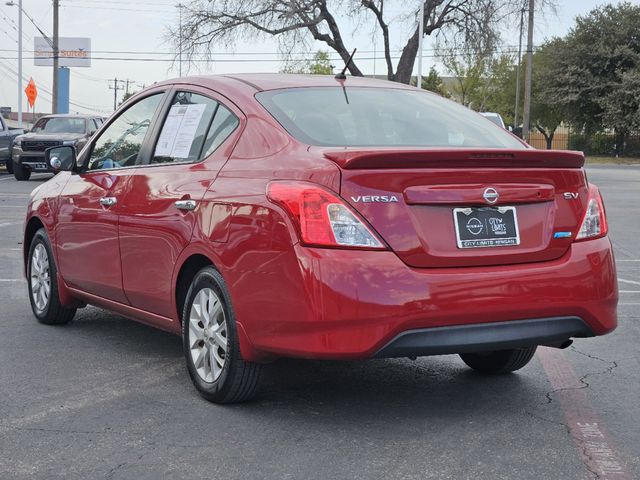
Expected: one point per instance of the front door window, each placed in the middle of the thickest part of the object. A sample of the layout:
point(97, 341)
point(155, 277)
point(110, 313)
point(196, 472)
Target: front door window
point(119, 145)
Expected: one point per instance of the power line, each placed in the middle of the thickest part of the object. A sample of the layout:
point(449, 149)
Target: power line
point(125, 2)
point(45, 92)
point(120, 9)
point(226, 60)
point(302, 53)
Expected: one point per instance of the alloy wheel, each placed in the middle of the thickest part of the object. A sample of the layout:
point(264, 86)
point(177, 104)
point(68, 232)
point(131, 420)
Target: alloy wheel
point(208, 335)
point(40, 279)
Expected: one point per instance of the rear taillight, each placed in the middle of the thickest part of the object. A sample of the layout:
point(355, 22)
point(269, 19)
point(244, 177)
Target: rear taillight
point(321, 217)
point(594, 224)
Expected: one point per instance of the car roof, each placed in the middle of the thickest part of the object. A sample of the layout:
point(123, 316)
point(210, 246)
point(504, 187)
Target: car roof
point(68, 115)
point(274, 81)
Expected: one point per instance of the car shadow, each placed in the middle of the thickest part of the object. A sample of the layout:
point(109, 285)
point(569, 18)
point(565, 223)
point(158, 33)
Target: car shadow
point(326, 394)
point(123, 336)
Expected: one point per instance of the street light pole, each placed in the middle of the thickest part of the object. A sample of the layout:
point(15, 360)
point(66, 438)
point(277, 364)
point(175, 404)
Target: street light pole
point(19, 4)
point(420, 34)
point(180, 41)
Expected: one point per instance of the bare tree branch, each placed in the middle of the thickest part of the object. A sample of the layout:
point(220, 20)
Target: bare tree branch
point(378, 11)
point(223, 22)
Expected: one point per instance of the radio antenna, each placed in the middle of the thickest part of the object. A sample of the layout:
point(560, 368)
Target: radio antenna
point(341, 75)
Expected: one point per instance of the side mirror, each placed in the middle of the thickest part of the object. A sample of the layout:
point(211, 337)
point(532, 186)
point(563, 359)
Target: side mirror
point(61, 159)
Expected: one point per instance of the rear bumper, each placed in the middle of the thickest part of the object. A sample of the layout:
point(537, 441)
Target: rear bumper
point(485, 337)
point(362, 304)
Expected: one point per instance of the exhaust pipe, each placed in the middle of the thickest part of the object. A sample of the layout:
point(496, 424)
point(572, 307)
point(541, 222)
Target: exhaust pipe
point(561, 345)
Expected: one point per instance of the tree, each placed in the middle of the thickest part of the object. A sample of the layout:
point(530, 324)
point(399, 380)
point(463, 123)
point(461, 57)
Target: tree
point(469, 69)
point(319, 65)
point(294, 22)
point(126, 97)
point(433, 82)
point(595, 69)
point(546, 114)
point(499, 92)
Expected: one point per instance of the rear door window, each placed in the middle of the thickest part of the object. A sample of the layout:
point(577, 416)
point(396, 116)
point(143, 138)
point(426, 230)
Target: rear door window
point(223, 124)
point(185, 129)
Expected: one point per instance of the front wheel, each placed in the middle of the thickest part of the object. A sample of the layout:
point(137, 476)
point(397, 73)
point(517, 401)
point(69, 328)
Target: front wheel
point(20, 172)
point(210, 342)
point(9, 165)
point(43, 283)
point(501, 361)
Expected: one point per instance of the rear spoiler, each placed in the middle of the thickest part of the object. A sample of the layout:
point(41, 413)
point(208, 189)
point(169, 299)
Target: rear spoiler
point(355, 158)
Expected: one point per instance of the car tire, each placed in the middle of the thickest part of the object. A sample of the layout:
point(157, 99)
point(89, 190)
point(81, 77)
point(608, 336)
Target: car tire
point(211, 345)
point(9, 165)
point(501, 361)
point(43, 283)
point(21, 173)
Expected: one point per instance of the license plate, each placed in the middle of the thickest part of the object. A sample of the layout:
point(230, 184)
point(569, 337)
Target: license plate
point(41, 166)
point(486, 227)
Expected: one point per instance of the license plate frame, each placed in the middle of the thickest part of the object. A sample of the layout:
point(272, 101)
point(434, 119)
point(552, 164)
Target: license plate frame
point(488, 222)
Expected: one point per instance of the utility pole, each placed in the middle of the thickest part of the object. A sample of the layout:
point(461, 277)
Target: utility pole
point(526, 127)
point(516, 114)
point(420, 34)
point(56, 52)
point(117, 85)
point(19, 64)
point(20, 93)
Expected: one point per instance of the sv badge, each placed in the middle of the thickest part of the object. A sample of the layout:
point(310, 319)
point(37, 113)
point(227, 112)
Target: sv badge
point(570, 195)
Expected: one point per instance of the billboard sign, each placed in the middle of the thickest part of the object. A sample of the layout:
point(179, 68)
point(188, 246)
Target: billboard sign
point(73, 52)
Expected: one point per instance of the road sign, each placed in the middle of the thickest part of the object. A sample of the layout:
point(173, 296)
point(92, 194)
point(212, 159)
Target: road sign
point(31, 91)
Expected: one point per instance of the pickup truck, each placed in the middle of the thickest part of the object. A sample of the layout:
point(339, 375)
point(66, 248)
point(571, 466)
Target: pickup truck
point(50, 131)
point(6, 141)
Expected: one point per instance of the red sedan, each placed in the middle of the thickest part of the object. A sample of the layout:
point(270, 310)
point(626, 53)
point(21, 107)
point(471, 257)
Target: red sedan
point(262, 216)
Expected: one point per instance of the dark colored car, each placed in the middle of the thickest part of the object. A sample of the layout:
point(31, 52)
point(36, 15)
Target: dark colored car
point(50, 131)
point(7, 135)
point(265, 216)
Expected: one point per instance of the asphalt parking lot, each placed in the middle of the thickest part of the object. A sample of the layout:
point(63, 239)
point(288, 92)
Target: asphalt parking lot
point(105, 397)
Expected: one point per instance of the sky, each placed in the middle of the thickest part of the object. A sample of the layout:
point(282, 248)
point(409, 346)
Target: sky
point(128, 40)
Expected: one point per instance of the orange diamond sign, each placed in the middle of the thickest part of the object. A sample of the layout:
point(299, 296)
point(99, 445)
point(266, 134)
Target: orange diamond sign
point(31, 91)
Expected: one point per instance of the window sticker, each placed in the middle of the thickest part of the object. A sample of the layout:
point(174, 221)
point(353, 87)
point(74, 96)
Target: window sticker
point(179, 130)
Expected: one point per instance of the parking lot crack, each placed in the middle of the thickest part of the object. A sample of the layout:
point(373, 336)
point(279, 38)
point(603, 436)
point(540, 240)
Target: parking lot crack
point(607, 371)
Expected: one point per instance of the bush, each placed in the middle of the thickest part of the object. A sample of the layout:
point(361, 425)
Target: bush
point(603, 144)
point(579, 141)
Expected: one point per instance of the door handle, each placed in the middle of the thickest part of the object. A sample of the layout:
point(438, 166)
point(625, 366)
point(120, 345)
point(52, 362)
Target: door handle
point(108, 201)
point(187, 205)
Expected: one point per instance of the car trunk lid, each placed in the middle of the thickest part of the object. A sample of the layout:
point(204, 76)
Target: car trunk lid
point(427, 204)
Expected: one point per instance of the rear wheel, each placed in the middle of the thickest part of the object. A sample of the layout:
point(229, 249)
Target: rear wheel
point(20, 172)
point(210, 342)
point(43, 284)
point(501, 361)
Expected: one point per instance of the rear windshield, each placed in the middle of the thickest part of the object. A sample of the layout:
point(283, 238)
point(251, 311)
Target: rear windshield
point(60, 125)
point(357, 116)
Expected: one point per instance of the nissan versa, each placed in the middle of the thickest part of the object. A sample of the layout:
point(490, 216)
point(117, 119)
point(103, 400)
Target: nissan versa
point(265, 216)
